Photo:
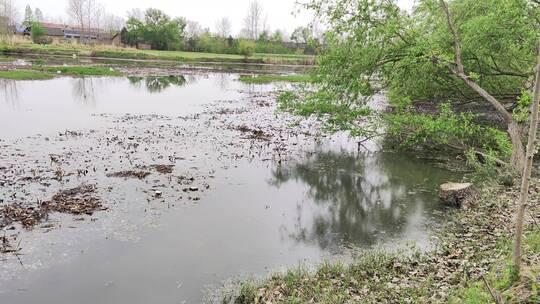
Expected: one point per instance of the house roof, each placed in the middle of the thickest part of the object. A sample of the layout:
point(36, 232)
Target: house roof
point(53, 29)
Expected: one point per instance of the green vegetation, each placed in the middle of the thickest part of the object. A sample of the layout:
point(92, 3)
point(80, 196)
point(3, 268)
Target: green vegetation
point(264, 79)
point(246, 48)
point(337, 116)
point(451, 273)
point(165, 33)
point(501, 277)
point(157, 29)
point(431, 56)
point(42, 73)
point(266, 44)
point(459, 77)
point(81, 71)
point(25, 75)
point(37, 33)
point(121, 53)
point(445, 131)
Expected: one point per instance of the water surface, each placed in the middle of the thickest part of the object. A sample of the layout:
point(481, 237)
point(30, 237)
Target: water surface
point(259, 214)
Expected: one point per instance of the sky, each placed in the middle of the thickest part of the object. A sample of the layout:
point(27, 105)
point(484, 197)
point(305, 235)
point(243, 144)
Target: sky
point(206, 12)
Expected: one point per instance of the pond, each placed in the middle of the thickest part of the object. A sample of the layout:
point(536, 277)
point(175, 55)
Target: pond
point(265, 191)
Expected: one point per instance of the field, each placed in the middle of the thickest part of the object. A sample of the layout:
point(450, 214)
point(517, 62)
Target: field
point(128, 53)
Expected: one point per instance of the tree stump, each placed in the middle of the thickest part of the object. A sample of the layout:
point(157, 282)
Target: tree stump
point(457, 194)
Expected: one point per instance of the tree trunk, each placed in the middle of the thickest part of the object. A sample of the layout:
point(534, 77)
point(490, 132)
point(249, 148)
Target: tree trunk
point(514, 128)
point(515, 131)
point(525, 179)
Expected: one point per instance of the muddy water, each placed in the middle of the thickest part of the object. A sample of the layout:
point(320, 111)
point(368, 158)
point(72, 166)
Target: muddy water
point(259, 202)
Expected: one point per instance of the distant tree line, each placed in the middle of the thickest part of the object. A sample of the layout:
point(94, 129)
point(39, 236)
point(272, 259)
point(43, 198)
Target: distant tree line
point(154, 27)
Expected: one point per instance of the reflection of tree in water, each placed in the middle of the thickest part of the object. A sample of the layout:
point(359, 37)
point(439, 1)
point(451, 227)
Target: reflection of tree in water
point(358, 199)
point(223, 80)
point(87, 89)
point(9, 91)
point(156, 84)
point(84, 89)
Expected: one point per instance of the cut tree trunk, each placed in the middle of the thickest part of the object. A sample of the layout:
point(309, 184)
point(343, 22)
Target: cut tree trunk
point(457, 194)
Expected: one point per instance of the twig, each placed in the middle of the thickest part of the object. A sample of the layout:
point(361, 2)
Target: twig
point(494, 294)
point(533, 218)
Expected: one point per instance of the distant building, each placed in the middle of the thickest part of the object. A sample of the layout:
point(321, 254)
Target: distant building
point(59, 33)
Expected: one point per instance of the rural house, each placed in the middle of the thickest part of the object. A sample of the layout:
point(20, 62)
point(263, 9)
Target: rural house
point(59, 33)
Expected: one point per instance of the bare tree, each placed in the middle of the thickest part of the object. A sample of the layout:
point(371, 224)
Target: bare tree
point(193, 29)
point(525, 179)
point(253, 20)
point(136, 13)
point(8, 17)
point(38, 15)
point(9, 10)
point(77, 11)
point(223, 27)
point(87, 14)
point(113, 23)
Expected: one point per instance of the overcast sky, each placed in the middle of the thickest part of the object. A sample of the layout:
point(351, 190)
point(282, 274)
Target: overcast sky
point(206, 12)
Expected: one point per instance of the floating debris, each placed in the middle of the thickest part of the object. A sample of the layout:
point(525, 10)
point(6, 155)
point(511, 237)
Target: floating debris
point(7, 247)
point(254, 133)
point(28, 217)
point(163, 169)
point(130, 174)
point(73, 201)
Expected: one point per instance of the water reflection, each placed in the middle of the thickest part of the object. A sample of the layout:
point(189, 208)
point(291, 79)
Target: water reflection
point(156, 84)
point(360, 199)
point(223, 81)
point(84, 90)
point(10, 91)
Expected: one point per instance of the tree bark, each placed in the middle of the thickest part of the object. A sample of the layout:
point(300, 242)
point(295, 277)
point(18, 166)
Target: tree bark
point(515, 130)
point(525, 179)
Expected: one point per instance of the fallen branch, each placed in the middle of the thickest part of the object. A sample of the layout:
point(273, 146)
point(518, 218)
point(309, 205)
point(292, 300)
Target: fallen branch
point(480, 153)
point(494, 294)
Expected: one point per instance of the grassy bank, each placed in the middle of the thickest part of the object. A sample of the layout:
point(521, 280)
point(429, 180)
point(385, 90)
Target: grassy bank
point(125, 53)
point(266, 79)
point(25, 75)
point(80, 71)
point(43, 73)
point(473, 252)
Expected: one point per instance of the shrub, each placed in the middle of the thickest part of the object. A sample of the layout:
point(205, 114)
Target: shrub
point(446, 130)
point(246, 47)
point(38, 33)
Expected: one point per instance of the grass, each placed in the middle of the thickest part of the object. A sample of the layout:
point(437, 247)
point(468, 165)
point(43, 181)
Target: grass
point(502, 279)
point(81, 71)
point(44, 73)
point(265, 79)
point(25, 75)
point(128, 53)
